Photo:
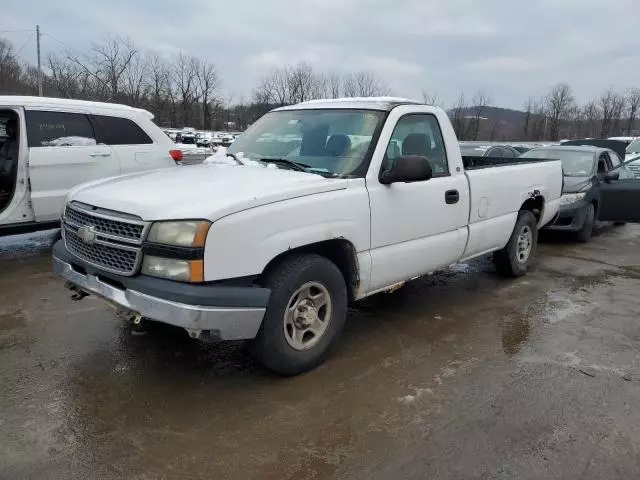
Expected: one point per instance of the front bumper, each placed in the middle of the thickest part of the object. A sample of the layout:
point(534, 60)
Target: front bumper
point(227, 312)
point(570, 218)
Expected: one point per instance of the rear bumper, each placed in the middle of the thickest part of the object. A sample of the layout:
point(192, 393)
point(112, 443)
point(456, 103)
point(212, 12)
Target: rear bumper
point(569, 218)
point(229, 313)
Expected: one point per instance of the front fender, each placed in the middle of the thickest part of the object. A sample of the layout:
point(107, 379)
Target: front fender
point(242, 244)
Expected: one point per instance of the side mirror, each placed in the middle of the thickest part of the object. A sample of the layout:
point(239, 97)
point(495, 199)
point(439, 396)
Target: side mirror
point(410, 168)
point(611, 176)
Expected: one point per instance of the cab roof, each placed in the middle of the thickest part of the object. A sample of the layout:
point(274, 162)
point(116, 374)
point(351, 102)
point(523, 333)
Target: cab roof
point(364, 103)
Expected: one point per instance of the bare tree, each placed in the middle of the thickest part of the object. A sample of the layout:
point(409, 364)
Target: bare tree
point(274, 88)
point(633, 104)
point(134, 80)
point(9, 67)
point(364, 84)
point(528, 107)
point(558, 103)
point(334, 85)
point(158, 79)
point(459, 112)
point(591, 115)
point(71, 80)
point(609, 104)
point(541, 121)
point(429, 97)
point(304, 83)
point(617, 113)
point(479, 103)
point(207, 79)
point(183, 77)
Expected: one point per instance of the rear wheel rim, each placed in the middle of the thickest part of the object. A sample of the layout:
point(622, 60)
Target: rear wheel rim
point(524, 244)
point(307, 316)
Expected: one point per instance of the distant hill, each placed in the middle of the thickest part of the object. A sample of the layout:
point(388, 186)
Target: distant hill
point(496, 123)
point(504, 115)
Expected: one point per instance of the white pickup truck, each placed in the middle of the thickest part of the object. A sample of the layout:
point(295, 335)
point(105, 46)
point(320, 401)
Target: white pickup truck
point(326, 202)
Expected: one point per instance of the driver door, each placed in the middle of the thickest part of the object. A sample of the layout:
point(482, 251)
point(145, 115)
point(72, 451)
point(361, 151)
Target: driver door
point(619, 200)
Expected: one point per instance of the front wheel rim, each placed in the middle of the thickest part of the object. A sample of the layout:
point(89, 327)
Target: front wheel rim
point(307, 316)
point(524, 244)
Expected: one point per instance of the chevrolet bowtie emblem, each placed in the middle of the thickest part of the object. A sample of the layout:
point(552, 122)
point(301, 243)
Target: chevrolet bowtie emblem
point(87, 234)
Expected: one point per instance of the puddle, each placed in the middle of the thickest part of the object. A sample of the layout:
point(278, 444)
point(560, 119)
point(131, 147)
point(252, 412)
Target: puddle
point(514, 333)
point(564, 305)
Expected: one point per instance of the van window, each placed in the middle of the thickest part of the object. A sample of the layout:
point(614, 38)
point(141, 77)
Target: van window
point(119, 131)
point(58, 129)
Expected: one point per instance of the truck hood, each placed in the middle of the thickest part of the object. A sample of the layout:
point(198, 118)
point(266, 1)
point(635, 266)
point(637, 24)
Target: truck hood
point(203, 191)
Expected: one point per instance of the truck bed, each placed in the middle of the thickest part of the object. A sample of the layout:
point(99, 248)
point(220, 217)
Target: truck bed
point(497, 194)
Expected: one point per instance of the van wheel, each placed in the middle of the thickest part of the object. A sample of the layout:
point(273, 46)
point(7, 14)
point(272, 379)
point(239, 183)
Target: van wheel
point(518, 255)
point(584, 234)
point(305, 315)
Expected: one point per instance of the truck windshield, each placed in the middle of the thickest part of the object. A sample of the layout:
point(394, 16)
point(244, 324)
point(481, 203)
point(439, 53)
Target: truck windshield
point(575, 163)
point(331, 141)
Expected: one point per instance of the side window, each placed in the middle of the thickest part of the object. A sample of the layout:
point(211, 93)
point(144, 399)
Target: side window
point(419, 134)
point(494, 152)
point(119, 131)
point(615, 159)
point(58, 129)
point(507, 152)
point(602, 163)
point(625, 173)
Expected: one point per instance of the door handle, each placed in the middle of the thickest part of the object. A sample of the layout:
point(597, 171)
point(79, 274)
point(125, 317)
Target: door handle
point(99, 154)
point(451, 196)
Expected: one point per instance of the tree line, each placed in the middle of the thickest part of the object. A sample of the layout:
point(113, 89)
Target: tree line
point(554, 116)
point(184, 90)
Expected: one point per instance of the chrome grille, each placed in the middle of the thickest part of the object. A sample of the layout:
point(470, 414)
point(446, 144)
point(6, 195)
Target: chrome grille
point(118, 228)
point(115, 243)
point(113, 258)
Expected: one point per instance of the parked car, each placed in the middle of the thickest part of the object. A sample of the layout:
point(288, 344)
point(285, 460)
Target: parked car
point(203, 139)
point(274, 252)
point(505, 151)
point(521, 148)
point(585, 169)
point(222, 139)
point(58, 143)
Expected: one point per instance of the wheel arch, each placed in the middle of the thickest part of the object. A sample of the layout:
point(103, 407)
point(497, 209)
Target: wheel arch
point(535, 204)
point(340, 251)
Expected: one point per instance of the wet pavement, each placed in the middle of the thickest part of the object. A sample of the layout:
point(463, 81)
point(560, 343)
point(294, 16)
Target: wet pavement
point(459, 375)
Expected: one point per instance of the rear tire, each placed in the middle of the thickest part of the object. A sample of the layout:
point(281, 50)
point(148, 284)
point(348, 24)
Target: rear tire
point(584, 234)
point(515, 259)
point(297, 334)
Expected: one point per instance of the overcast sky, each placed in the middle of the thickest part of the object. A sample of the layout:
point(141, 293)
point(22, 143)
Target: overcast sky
point(510, 48)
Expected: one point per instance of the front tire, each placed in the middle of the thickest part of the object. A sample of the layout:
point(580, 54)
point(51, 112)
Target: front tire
point(305, 315)
point(584, 234)
point(518, 255)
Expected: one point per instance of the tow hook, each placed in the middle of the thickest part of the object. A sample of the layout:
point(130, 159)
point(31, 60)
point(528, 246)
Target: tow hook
point(76, 293)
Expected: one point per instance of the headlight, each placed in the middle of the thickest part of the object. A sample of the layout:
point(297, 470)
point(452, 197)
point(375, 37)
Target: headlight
point(569, 198)
point(179, 234)
point(173, 269)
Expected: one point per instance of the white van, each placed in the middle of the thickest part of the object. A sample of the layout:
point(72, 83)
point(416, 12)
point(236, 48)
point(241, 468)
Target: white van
point(49, 145)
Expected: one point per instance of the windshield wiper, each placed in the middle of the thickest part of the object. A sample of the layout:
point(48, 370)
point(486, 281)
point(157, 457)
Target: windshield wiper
point(300, 167)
